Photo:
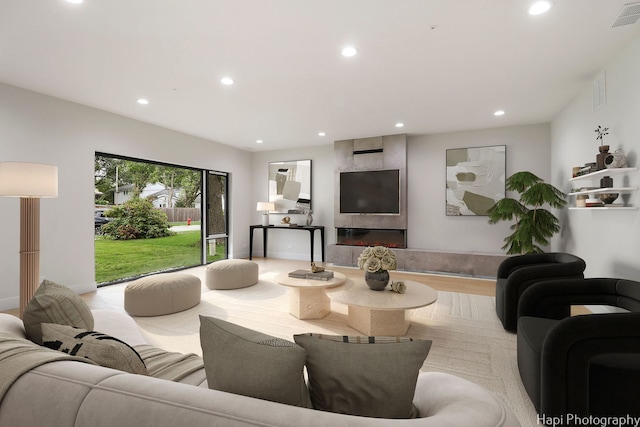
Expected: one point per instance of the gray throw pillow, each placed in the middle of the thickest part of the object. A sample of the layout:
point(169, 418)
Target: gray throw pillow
point(242, 361)
point(102, 349)
point(366, 376)
point(53, 303)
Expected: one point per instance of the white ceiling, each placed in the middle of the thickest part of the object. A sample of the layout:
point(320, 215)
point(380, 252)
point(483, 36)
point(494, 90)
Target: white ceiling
point(292, 82)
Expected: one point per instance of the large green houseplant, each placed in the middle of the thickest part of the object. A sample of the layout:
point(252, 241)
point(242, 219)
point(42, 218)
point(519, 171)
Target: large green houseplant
point(534, 225)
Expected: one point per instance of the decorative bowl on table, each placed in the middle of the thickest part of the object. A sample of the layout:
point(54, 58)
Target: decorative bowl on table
point(608, 198)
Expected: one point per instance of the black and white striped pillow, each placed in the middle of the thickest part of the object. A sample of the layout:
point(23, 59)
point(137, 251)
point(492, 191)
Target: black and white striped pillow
point(102, 349)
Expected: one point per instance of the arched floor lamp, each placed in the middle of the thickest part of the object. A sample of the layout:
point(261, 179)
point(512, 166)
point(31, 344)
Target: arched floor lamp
point(30, 182)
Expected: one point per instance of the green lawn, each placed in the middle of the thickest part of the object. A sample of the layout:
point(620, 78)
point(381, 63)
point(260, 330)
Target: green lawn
point(120, 259)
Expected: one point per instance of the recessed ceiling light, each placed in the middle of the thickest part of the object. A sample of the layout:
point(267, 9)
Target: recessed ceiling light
point(499, 113)
point(349, 51)
point(228, 81)
point(540, 7)
point(142, 101)
point(399, 125)
point(322, 134)
point(259, 141)
point(75, 1)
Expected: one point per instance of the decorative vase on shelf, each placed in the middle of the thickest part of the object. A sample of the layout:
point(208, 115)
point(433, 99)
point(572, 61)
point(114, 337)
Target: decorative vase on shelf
point(606, 182)
point(309, 218)
point(377, 281)
point(604, 152)
point(615, 160)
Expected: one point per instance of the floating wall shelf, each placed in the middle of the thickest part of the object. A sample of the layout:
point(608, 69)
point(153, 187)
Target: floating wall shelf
point(603, 172)
point(595, 191)
point(604, 208)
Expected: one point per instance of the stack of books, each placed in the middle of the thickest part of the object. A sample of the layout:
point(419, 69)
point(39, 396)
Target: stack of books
point(308, 274)
point(587, 169)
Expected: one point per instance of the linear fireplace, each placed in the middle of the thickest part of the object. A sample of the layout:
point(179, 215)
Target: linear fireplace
point(391, 238)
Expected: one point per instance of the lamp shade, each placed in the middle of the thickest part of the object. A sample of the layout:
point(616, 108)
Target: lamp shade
point(19, 179)
point(266, 206)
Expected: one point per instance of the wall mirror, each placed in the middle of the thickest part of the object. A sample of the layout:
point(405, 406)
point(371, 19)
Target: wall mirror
point(290, 186)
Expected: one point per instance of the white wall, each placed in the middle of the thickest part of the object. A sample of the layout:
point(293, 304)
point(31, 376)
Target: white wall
point(39, 128)
point(608, 241)
point(429, 226)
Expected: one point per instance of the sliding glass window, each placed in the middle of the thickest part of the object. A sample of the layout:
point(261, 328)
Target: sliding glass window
point(216, 216)
point(150, 217)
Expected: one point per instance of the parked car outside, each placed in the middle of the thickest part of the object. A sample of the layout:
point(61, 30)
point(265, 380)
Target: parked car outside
point(99, 220)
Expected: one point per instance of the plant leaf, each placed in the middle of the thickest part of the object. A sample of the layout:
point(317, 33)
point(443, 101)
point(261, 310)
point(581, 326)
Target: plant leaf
point(540, 193)
point(505, 210)
point(534, 225)
point(520, 181)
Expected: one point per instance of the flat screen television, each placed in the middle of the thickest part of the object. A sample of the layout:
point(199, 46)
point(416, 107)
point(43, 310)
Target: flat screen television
point(370, 192)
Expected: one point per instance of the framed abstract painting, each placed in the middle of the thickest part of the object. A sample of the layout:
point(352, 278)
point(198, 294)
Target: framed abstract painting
point(475, 179)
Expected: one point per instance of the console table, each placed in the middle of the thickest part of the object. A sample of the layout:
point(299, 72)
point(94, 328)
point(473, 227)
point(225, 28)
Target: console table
point(265, 228)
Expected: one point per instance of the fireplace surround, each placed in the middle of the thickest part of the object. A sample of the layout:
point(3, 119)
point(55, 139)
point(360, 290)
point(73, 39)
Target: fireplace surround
point(391, 238)
point(355, 232)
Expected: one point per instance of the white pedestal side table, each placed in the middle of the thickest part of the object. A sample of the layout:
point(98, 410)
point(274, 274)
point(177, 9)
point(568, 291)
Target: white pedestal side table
point(382, 313)
point(308, 297)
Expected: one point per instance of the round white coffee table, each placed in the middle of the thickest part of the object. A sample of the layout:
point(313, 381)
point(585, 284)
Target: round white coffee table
point(382, 312)
point(308, 297)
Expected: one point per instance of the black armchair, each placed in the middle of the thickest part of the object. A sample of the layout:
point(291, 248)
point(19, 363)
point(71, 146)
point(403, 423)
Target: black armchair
point(582, 365)
point(518, 272)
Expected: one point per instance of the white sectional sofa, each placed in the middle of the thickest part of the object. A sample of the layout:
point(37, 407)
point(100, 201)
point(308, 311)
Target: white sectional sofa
point(74, 394)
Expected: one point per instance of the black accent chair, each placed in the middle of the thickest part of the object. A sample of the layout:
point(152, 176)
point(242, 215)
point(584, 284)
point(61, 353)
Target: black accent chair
point(518, 272)
point(582, 365)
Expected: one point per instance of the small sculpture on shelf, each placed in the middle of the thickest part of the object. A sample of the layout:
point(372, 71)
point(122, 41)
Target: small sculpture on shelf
point(615, 160)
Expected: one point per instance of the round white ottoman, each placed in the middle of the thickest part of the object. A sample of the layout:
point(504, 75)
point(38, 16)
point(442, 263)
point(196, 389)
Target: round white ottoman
point(231, 274)
point(160, 294)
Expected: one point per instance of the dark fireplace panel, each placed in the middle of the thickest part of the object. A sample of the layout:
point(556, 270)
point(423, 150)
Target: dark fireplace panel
point(390, 238)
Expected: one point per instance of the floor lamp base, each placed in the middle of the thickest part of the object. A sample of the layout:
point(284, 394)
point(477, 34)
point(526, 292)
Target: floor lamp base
point(29, 249)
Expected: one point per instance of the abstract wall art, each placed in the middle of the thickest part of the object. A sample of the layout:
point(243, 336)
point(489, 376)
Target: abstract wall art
point(475, 179)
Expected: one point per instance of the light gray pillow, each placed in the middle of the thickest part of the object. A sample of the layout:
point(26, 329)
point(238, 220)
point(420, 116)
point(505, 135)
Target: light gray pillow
point(53, 303)
point(102, 349)
point(242, 361)
point(366, 376)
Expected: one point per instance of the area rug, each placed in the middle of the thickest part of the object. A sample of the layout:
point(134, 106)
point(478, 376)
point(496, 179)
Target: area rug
point(468, 339)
